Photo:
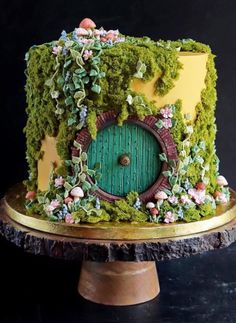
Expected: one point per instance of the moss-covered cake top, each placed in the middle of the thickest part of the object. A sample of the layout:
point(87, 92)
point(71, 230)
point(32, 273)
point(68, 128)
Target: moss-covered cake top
point(73, 80)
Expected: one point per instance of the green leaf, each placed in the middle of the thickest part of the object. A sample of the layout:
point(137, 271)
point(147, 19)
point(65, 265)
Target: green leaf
point(85, 80)
point(93, 73)
point(94, 187)
point(59, 111)
point(76, 144)
point(68, 162)
point(85, 168)
point(76, 160)
point(80, 71)
point(59, 198)
point(79, 95)
point(82, 177)
point(91, 172)
point(41, 199)
point(163, 157)
point(69, 100)
point(86, 186)
point(96, 88)
point(172, 163)
point(84, 156)
point(166, 173)
point(101, 75)
point(60, 81)
point(172, 180)
point(98, 176)
point(71, 121)
point(67, 186)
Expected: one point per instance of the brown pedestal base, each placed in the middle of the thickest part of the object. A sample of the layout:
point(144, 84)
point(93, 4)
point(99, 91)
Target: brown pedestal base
point(119, 283)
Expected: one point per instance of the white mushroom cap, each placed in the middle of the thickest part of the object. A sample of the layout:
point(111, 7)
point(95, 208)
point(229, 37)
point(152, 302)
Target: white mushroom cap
point(161, 195)
point(77, 193)
point(150, 205)
point(221, 180)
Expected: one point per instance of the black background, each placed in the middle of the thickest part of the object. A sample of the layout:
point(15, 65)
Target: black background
point(193, 290)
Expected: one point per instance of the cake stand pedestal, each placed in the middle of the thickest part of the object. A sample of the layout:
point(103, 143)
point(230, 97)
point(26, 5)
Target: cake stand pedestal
point(114, 271)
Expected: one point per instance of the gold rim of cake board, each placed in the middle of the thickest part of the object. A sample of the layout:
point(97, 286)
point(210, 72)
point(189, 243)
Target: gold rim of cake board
point(14, 205)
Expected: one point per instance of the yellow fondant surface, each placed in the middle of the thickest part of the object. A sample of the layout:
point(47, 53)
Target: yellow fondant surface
point(187, 88)
point(45, 164)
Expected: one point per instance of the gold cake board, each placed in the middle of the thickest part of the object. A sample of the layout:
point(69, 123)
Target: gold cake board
point(118, 266)
point(14, 204)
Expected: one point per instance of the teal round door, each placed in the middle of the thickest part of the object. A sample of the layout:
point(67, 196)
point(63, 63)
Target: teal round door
point(129, 157)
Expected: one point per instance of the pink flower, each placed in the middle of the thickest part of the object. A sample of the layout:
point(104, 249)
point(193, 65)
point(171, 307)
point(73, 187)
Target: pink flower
point(56, 50)
point(69, 218)
point(167, 123)
point(199, 196)
point(87, 54)
point(30, 195)
point(166, 112)
point(85, 41)
point(55, 204)
point(169, 217)
point(81, 32)
point(221, 198)
point(185, 199)
point(52, 206)
point(59, 181)
point(173, 199)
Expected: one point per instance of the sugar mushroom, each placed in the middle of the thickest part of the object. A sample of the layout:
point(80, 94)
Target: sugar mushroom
point(87, 23)
point(160, 196)
point(150, 205)
point(221, 180)
point(77, 193)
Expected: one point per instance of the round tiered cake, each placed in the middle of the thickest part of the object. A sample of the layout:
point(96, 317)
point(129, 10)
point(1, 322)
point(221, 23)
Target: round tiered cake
point(121, 129)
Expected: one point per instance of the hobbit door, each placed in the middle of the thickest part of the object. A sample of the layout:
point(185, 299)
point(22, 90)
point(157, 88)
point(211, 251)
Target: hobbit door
point(129, 156)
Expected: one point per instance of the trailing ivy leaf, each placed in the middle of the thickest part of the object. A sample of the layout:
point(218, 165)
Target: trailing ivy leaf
point(84, 156)
point(163, 157)
point(101, 75)
point(168, 192)
point(60, 81)
point(172, 180)
point(166, 173)
point(80, 71)
point(71, 121)
point(96, 88)
point(93, 73)
point(66, 194)
point(85, 80)
point(68, 162)
point(85, 168)
point(93, 188)
point(59, 198)
point(86, 186)
point(69, 101)
point(98, 176)
point(91, 172)
point(71, 87)
point(67, 186)
point(82, 177)
point(140, 69)
point(95, 60)
point(172, 163)
point(41, 199)
point(76, 144)
point(76, 160)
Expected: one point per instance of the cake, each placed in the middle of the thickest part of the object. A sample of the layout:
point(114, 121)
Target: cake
point(121, 128)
